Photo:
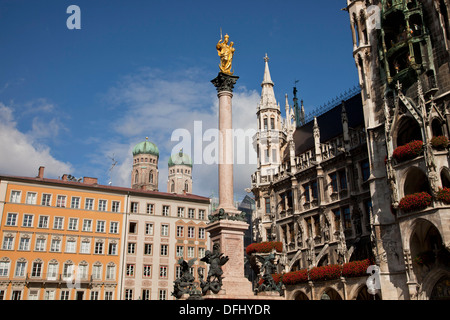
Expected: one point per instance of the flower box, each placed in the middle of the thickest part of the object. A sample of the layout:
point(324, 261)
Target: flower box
point(264, 247)
point(408, 151)
point(355, 268)
point(329, 272)
point(294, 277)
point(439, 142)
point(415, 201)
point(444, 195)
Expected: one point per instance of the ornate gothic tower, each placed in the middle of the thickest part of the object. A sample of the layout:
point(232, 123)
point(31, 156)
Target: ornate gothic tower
point(144, 174)
point(180, 173)
point(269, 127)
point(401, 52)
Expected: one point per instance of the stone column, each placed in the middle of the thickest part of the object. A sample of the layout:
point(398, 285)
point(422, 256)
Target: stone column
point(224, 84)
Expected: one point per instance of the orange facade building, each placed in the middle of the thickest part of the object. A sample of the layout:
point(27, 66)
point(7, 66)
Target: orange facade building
point(67, 239)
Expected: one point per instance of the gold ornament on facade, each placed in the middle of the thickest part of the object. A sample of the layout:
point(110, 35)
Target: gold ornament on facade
point(225, 52)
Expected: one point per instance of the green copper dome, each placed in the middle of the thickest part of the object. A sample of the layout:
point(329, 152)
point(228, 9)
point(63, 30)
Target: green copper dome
point(146, 147)
point(180, 158)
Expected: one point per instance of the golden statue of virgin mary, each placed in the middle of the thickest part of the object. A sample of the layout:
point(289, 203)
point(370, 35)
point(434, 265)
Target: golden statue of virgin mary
point(225, 52)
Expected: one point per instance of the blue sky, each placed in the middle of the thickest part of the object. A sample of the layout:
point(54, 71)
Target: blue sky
point(71, 99)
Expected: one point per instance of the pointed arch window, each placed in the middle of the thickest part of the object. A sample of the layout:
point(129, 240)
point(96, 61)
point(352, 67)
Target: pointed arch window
point(172, 186)
point(186, 186)
point(150, 176)
point(136, 177)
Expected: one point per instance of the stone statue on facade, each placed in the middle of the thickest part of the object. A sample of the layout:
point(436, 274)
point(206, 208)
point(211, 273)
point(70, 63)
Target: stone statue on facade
point(216, 260)
point(185, 283)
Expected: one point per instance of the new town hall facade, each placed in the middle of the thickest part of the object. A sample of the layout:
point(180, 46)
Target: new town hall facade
point(368, 177)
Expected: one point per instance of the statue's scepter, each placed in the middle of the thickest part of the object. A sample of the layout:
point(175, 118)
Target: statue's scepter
point(220, 33)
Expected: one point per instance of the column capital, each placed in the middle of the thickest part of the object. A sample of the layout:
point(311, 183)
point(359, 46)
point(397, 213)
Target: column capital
point(224, 82)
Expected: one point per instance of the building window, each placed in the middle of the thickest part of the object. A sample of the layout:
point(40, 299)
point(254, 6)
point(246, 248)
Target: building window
point(131, 248)
point(43, 222)
point(201, 252)
point(89, 204)
point(365, 170)
point(21, 267)
point(16, 295)
point(65, 295)
point(134, 207)
point(166, 211)
point(75, 204)
point(31, 198)
point(85, 247)
point(191, 213)
point(11, 219)
point(148, 249)
point(201, 233)
point(46, 199)
point(272, 123)
point(201, 214)
point(112, 249)
point(132, 227)
point(100, 226)
point(164, 250)
point(149, 229)
point(97, 272)
point(265, 124)
point(108, 295)
point(130, 270)
point(147, 272)
point(15, 196)
point(191, 252)
point(180, 231)
point(8, 243)
point(114, 227)
point(180, 251)
point(94, 295)
point(314, 190)
point(343, 179)
point(58, 223)
point(87, 225)
point(115, 206)
point(24, 244)
point(164, 230)
point(129, 292)
point(150, 208)
point(180, 212)
point(52, 271)
point(61, 201)
point(36, 270)
point(347, 218)
point(55, 245)
point(111, 272)
point(98, 249)
point(40, 245)
point(71, 246)
point(267, 204)
point(27, 220)
point(191, 232)
point(163, 271)
point(306, 193)
point(73, 224)
point(102, 204)
point(4, 268)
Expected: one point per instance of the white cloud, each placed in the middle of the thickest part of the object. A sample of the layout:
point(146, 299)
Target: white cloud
point(155, 104)
point(21, 154)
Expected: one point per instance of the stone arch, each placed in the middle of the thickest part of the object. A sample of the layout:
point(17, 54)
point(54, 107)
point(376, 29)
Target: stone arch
point(407, 130)
point(415, 181)
point(436, 127)
point(299, 295)
point(331, 293)
point(445, 177)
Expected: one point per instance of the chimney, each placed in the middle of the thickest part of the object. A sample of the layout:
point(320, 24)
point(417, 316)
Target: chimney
point(41, 172)
point(89, 180)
